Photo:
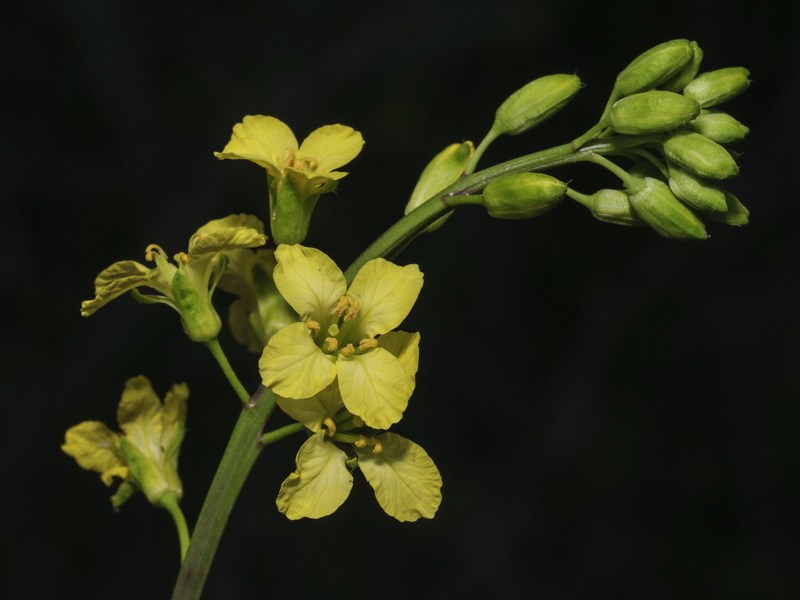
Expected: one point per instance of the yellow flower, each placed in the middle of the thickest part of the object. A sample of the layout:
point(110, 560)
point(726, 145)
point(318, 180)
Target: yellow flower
point(297, 175)
point(336, 339)
point(146, 453)
point(188, 284)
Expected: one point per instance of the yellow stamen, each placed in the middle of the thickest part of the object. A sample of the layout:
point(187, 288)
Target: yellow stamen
point(341, 305)
point(151, 251)
point(378, 446)
point(289, 157)
point(332, 344)
point(368, 343)
point(362, 441)
point(352, 309)
point(182, 256)
point(328, 422)
point(313, 326)
point(348, 350)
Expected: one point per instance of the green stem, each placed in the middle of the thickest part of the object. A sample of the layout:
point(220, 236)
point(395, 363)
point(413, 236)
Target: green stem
point(473, 162)
point(406, 229)
point(273, 436)
point(169, 501)
point(237, 386)
point(240, 455)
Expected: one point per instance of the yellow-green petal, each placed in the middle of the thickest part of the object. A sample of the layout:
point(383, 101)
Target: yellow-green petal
point(374, 386)
point(406, 481)
point(96, 448)
point(235, 220)
point(404, 346)
point(331, 146)
point(139, 416)
point(320, 484)
point(225, 239)
point(387, 293)
point(292, 366)
point(117, 279)
point(311, 411)
point(266, 141)
point(309, 281)
point(173, 416)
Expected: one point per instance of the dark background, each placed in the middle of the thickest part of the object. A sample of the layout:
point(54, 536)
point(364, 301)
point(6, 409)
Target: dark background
point(614, 415)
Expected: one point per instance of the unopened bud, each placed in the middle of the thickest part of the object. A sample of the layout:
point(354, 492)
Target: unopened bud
point(653, 67)
point(652, 112)
point(677, 82)
point(523, 195)
point(718, 126)
point(658, 207)
point(444, 170)
point(737, 214)
point(695, 191)
point(535, 103)
point(700, 155)
point(716, 87)
point(613, 206)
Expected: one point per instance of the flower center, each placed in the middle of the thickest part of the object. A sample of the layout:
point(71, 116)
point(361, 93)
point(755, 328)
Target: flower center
point(300, 163)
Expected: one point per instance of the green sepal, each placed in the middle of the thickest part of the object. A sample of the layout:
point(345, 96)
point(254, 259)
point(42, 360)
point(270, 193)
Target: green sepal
point(653, 67)
point(654, 111)
point(737, 213)
point(716, 87)
point(199, 318)
point(718, 126)
point(695, 191)
point(677, 82)
point(291, 207)
point(534, 103)
point(609, 206)
point(124, 493)
point(700, 155)
point(658, 207)
point(522, 195)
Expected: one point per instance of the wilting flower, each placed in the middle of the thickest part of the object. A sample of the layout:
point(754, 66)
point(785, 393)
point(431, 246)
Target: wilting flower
point(337, 338)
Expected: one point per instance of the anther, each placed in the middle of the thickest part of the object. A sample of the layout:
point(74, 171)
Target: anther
point(362, 441)
point(368, 343)
point(340, 307)
point(182, 256)
point(289, 162)
point(347, 350)
point(378, 446)
point(332, 344)
point(352, 309)
point(313, 326)
point(328, 422)
point(151, 251)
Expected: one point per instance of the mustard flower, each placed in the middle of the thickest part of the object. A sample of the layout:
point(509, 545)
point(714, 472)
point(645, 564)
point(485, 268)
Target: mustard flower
point(297, 175)
point(337, 338)
point(145, 454)
point(187, 284)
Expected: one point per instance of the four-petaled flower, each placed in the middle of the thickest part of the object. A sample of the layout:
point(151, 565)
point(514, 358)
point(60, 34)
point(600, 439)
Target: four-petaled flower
point(188, 284)
point(336, 338)
point(145, 455)
point(297, 175)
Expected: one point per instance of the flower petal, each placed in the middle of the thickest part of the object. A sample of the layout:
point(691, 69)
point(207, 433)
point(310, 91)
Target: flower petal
point(320, 484)
point(309, 281)
point(240, 220)
point(96, 448)
point(139, 417)
point(263, 140)
point(292, 366)
point(331, 146)
point(404, 346)
point(117, 279)
point(387, 293)
point(406, 481)
point(374, 386)
point(173, 417)
point(311, 411)
point(225, 239)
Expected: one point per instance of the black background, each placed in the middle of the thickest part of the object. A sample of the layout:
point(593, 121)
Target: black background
point(614, 415)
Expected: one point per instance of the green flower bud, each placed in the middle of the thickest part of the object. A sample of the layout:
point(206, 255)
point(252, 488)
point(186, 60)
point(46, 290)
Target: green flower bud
point(199, 318)
point(695, 191)
point(658, 207)
point(718, 126)
point(716, 87)
point(677, 82)
point(443, 171)
point(700, 155)
point(654, 67)
point(737, 214)
point(613, 206)
point(523, 195)
point(652, 112)
point(535, 103)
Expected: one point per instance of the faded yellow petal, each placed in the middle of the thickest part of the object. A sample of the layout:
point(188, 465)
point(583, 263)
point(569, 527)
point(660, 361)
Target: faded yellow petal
point(173, 416)
point(266, 141)
point(139, 416)
point(225, 239)
point(331, 146)
point(231, 221)
point(311, 411)
point(320, 484)
point(387, 292)
point(309, 281)
point(117, 279)
point(406, 481)
point(292, 366)
point(374, 386)
point(404, 346)
point(96, 448)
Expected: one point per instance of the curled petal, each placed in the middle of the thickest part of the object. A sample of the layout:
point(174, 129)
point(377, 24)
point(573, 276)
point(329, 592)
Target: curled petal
point(266, 141)
point(96, 448)
point(331, 146)
point(117, 279)
point(311, 411)
point(139, 416)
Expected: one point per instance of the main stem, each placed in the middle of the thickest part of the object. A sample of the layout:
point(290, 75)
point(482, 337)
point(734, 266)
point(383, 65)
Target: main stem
point(240, 455)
